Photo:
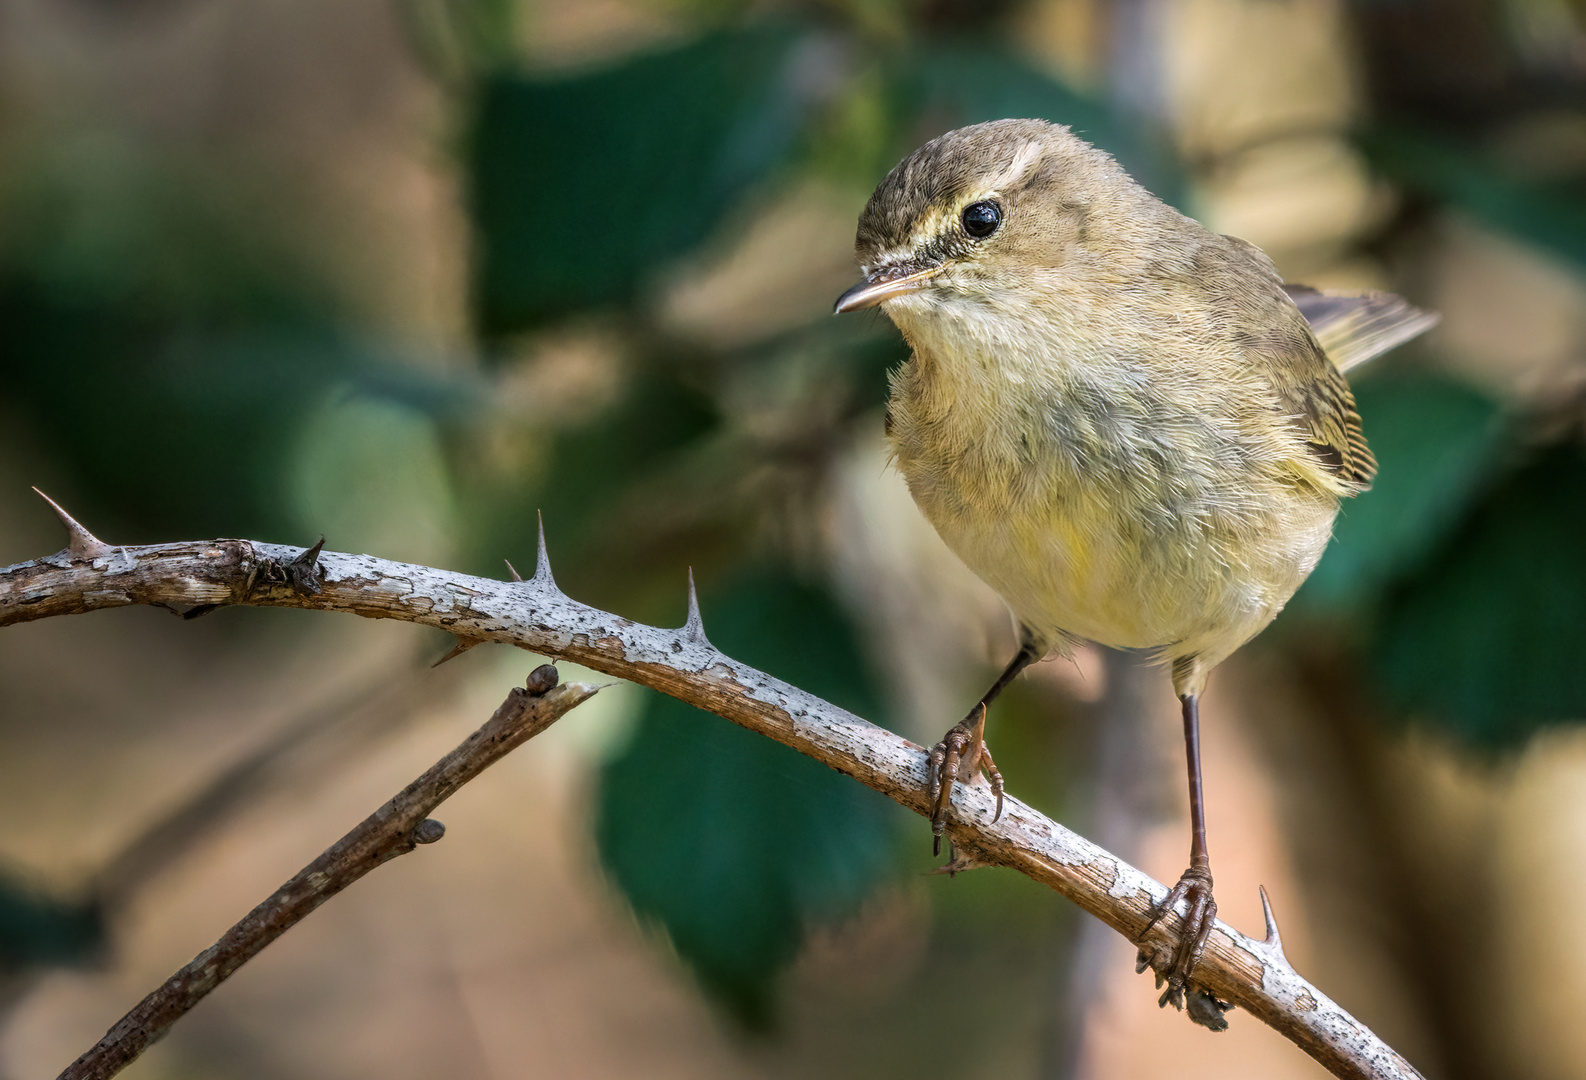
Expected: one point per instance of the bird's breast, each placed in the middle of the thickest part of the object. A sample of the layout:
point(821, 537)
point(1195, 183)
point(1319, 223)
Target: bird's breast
point(1097, 503)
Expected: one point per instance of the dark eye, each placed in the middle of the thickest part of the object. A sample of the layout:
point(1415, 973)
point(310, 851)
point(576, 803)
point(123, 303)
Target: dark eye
point(981, 219)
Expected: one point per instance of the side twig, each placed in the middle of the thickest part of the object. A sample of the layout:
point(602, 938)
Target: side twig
point(394, 829)
point(537, 616)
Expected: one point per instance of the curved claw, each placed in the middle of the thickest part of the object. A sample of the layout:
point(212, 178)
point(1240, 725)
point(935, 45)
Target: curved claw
point(989, 769)
point(962, 751)
point(1160, 912)
point(1199, 918)
point(943, 770)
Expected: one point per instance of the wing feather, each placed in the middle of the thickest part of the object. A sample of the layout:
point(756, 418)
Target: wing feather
point(1353, 328)
point(1307, 385)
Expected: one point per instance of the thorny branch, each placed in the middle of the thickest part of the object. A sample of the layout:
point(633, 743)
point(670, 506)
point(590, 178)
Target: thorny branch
point(537, 616)
point(394, 829)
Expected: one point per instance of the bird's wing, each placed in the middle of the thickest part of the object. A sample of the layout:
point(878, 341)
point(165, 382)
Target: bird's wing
point(1356, 327)
point(1308, 386)
point(1317, 395)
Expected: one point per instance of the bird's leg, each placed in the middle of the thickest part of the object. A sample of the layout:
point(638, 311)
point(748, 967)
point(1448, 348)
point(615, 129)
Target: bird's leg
point(962, 750)
point(1196, 883)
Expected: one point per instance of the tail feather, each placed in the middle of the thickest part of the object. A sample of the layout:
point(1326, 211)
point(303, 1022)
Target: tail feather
point(1356, 327)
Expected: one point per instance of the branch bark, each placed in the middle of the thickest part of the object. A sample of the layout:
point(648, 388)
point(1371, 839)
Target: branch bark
point(394, 829)
point(535, 615)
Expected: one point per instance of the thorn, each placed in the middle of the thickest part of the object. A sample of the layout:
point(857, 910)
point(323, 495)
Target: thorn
point(81, 542)
point(1273, 938)
point(515, 575)
point(462, 646)
point(303, 572)
point(310, 556)
point(542, 559)
point(694, 625)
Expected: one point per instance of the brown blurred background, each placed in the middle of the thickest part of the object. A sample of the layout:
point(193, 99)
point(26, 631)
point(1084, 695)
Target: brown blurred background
point(403, 272)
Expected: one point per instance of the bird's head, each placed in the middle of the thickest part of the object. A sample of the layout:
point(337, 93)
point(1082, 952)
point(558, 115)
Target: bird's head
point(993, 216)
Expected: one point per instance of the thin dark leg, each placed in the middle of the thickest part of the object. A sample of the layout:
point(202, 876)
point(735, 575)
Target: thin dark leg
point(1027, 655)
point(963, 749)
point(1196, 883)
point(1197, 804)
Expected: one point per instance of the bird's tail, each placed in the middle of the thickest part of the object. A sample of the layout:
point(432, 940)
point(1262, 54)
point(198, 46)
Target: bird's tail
point(1356, 327)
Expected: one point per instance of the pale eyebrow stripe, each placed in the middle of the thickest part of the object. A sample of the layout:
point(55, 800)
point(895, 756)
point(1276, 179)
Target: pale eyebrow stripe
point(1025, 160)
point(1020, 166)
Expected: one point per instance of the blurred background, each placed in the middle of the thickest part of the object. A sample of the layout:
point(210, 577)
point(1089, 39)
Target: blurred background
point(403, 272)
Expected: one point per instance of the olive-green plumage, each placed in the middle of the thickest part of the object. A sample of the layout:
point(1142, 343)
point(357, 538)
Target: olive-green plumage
point(1126, 424)
point(1117, 418)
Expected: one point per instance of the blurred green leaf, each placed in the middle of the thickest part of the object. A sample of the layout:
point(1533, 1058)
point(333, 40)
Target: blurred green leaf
point(37, 930)
point(658, 415)
point(174, 421)
point(580, 186)
point(163, 346)
point(1488, 636)
point(120, 407)
point(735, 843)
point(1551, 215)
point(1436, 441)
point(583, 480)
point(369, 473)
point(456, 39)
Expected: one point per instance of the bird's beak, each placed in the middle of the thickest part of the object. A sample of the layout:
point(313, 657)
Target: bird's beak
point(884, 283)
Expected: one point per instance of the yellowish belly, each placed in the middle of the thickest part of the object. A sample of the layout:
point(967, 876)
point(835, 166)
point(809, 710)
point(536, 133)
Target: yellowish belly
point(1120, 562)
point(1129, 503)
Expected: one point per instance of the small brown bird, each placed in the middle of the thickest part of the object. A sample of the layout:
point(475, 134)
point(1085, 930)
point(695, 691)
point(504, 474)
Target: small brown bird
point(1121, 421)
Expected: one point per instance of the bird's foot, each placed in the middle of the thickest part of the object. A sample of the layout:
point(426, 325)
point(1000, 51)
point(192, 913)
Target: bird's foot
point(1195, 887)
point(962, 752)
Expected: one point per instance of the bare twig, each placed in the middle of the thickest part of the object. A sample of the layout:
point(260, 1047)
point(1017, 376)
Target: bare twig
point(394, 829)
point(309, 746)
point(536, 616)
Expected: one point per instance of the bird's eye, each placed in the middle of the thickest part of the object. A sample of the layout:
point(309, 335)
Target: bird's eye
point(981, 219)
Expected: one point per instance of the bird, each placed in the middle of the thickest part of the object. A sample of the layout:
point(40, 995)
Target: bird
point(1125, 423)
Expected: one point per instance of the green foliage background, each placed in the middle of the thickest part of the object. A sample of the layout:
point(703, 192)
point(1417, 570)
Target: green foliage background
point(182, 330)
